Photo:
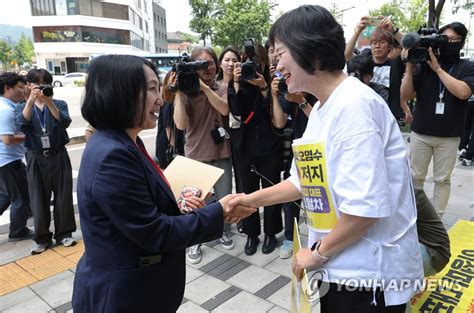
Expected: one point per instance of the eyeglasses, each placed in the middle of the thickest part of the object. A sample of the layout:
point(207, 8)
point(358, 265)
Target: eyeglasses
point(454, 39)
point(381, 43)
point(279, 54)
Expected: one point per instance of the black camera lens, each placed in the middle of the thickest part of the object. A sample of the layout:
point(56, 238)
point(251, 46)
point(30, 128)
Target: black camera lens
point(249, 71)
point(47, 90)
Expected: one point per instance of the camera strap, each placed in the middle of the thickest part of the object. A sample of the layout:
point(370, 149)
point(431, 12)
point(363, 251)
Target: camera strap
point(442, 88)
point(42, 118)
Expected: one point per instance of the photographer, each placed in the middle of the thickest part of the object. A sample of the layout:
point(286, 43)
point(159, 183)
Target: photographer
point(44, 121)
point(387, 72)
point(442, 87)
point(200, 115)
point(257, 145)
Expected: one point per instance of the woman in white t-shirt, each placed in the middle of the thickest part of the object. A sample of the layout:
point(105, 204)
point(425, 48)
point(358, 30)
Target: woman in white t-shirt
point(351, 172)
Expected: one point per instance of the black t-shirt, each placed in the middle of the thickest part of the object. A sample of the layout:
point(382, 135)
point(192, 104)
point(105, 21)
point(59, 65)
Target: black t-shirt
point(390, 74)
point(256, 136)
point(427, 87)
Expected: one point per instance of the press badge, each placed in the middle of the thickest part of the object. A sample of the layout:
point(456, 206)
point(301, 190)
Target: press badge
point(45, 142)
point(439, 107)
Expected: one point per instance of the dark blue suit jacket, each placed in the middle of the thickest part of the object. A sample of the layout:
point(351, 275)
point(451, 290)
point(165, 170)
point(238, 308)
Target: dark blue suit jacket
point(128, 211)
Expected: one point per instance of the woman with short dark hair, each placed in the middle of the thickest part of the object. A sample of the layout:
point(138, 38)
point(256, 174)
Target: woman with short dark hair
point(351, 171)
point(134, 234)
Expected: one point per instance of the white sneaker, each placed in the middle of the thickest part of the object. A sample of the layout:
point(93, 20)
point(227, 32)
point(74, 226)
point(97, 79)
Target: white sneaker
point(194, 254)
point(466, 162)
point(226, 242)
point(68, 242)
point(286, 249)
point(461, 154)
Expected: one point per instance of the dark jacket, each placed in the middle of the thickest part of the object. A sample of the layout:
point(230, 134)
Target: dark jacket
point(128, 212)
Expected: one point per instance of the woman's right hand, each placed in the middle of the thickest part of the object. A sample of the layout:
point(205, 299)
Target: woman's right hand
point(274, 86)
point(237, 71)
point(237, 212)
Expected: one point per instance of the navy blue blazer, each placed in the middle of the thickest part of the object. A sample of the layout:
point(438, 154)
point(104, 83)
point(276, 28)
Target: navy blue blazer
point(127, 211)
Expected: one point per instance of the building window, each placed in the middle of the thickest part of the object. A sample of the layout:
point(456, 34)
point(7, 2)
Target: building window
point(81, 34)
point(156, 34)
point(42, 7)
point(146, 27)
point(136, 40)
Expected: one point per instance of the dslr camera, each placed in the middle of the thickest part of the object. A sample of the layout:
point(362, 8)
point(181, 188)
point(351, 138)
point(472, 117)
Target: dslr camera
point(187, 79)
point(422, 40)
point(249, 67)
point(46, 90)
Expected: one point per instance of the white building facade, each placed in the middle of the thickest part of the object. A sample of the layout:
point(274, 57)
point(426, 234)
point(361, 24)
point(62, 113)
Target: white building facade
point(69, 33)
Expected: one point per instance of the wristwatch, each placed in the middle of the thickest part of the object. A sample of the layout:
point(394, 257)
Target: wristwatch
point(264, 88)
point(303, 105)
point(315, 253)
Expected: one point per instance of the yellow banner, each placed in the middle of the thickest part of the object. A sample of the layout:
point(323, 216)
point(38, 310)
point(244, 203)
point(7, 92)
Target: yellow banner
point(310, 159)
point(452, 289)
point(299, 301)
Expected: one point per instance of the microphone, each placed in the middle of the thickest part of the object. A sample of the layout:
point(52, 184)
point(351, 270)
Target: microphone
point(410, 40)
point(253, 169)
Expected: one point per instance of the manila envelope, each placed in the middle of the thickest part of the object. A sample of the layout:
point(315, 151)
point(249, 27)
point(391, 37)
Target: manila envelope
point(184, 172)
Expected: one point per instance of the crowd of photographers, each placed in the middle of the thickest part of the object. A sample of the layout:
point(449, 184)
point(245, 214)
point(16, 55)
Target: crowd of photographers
point(236, 113)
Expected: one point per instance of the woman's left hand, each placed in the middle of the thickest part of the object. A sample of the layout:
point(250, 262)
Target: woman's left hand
point(258, 81)
point(304, 260)
point(195, 203)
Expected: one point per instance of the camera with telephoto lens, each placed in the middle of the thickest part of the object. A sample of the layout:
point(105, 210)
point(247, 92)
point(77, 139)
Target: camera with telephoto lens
point(249, 67)
point(46, 90)
point(427, 37)
point(187, 79)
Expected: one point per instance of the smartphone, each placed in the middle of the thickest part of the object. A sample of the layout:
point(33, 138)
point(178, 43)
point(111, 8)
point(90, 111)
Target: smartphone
point(374, 21)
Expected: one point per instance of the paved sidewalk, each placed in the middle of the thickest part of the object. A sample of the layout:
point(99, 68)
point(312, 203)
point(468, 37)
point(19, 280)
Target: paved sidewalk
point(224, 281)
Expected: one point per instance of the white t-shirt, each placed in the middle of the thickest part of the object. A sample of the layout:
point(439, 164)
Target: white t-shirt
point(368, 175)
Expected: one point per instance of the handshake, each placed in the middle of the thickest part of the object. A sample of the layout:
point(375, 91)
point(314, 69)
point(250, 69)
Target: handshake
point(235, 206)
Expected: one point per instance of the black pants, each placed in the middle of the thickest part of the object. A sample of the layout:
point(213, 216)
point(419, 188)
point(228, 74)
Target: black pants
point(290, 209)
point(14, 191)
point(270, 167)
point(340, 300)
point(46, 175)
point(467, 141)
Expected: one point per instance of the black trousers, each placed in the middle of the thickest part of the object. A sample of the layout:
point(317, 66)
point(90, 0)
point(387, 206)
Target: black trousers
point(290, 209)
point(47, 175)
point(14, 191)
point(270, 167)
point(340, 300)
point(467, 141)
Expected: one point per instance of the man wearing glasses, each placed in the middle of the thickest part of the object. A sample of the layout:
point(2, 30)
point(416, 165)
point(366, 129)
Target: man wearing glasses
point(442, 87)
point(387, 72)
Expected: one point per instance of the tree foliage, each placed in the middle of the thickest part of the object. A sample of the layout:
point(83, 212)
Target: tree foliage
point(436, 8)
point(24, 50)
point(203, 12)
point(228, 22)
point(5, 53)
point(408, 15)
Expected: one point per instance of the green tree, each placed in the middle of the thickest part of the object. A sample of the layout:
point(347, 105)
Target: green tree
point(408, 15)
point(467, 5)
point(435, 9)
point(5, 54)
point(204, 13)
point(239, 19)
point(24, 50)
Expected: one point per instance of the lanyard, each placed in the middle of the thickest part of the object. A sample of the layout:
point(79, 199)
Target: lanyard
point(42, 121)
point(442, 88)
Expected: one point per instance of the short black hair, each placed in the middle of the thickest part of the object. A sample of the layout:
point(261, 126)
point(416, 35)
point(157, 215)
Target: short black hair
point(39, 77)
point(361, 65)
point(114, 87)
point(10, 79)
point(313, 37)
point(220, 74)
point(458, 28)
